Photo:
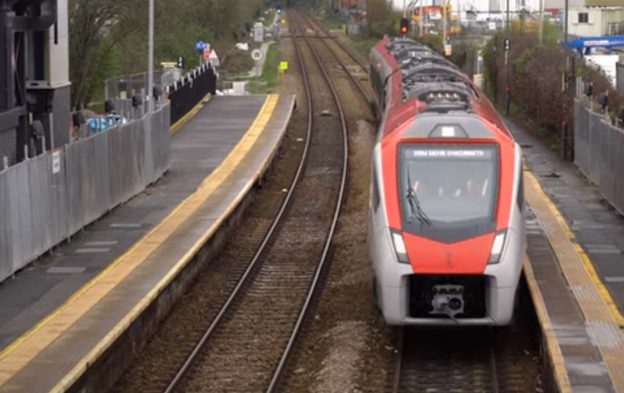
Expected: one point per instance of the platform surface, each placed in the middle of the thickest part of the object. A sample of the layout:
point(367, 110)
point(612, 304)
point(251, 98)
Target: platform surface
point(58, 316)
point(574, 253)
point(197, 148)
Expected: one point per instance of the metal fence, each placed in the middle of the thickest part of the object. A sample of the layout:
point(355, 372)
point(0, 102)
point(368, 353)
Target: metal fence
point(619, 77)
point(46, 199)
point(599, 152)
point(183, 92)
point(187, 93)
point(128, 85)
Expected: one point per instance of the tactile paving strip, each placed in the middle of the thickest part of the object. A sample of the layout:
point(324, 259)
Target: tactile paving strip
point(602, 318)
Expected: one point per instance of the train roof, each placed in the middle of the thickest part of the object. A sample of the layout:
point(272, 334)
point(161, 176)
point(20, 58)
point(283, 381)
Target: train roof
point(437, 83)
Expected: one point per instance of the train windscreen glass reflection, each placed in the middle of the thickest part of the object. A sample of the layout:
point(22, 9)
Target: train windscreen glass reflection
point(448, 184)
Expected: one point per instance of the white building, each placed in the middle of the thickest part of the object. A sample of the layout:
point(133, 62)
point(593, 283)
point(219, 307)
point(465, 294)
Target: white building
point(561, 3)
point(472, 5)
point(596, 21)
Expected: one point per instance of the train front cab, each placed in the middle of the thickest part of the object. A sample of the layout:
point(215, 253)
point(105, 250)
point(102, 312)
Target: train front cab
point(419, 286)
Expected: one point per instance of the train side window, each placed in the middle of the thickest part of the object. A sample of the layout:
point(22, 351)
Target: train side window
point(520, 196)
point(375, 192)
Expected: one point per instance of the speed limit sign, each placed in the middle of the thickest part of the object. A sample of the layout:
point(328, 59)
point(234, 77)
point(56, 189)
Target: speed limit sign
point(257, 54)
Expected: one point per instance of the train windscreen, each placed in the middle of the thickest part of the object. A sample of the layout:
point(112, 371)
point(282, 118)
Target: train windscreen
point(448, 192)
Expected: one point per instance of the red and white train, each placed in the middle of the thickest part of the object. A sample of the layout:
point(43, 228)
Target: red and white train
point(446, 227)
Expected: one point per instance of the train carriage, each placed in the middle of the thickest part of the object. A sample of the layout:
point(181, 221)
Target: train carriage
point(446, 228)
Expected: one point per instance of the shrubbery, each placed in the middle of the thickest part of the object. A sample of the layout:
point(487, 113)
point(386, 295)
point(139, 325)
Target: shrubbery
point(108, 37)
point(537, 77)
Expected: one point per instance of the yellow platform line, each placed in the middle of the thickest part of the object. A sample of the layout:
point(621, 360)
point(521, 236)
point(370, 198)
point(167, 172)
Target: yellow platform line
point(603, 319)
point(184, 119)
point(562, 380)
point(587, 263)
point(28, 346)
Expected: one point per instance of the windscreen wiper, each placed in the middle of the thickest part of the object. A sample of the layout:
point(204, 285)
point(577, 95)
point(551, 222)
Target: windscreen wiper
point(414, 204)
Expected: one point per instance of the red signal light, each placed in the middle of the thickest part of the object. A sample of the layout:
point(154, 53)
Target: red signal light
point(404, 26)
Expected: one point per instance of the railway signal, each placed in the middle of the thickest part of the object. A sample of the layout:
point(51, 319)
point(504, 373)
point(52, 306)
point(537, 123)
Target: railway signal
point(404, 26)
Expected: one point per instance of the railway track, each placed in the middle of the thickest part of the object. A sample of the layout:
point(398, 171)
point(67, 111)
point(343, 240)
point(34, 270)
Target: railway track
point(356, 71)
point(466, 360)
point(247, 344)
point(251, 312)
point(313, 363)
point(323, 32)
point(429, 361)
point(238, 335)
point(486, 360)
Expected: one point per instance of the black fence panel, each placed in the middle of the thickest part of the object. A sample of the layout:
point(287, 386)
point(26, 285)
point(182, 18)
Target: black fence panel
point(187, 93)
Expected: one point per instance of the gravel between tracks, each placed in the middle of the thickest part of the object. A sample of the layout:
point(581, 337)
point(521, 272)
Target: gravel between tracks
point(346, 348)
point(244, 350)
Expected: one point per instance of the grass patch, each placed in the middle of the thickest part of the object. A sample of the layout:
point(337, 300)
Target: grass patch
point(267, 82)
point(362, 45)
point(334, 24)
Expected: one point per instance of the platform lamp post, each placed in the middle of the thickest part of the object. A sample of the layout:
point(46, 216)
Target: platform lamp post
point(565, 18)
point(540, 32)
point(150, 61)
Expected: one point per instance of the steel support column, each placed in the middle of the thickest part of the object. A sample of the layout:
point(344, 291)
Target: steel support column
point(7, 100)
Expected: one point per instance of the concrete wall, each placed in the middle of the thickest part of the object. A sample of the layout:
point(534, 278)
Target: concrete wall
point(598, 22)
point(57, 75)
point(57, 51)
point(561, 3)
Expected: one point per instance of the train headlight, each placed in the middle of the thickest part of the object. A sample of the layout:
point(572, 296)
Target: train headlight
point(399, 247)
point(497, 247)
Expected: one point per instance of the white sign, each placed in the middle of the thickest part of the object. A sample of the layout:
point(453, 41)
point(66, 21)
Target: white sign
point(607, 63)
point(448, 50)
point(239, 88)
point(257, 54)
point(56, 162)
point(213, 58)
point(258, 32)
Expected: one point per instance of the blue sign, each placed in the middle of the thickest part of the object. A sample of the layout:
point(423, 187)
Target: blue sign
point(200, 46)
point(594, 42)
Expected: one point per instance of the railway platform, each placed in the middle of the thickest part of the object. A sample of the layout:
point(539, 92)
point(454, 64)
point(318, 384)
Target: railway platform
point(574, 271)
point(62, 315)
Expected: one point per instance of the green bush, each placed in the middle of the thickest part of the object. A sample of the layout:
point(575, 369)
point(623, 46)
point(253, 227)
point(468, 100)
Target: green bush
point(537, 77)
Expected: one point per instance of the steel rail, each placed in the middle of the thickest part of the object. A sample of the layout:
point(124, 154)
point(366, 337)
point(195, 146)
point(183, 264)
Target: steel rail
point(267, 238)
point(348, 50)
point(263, 245)
point(343, 184)
point(312, 22)
point(404, 370)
